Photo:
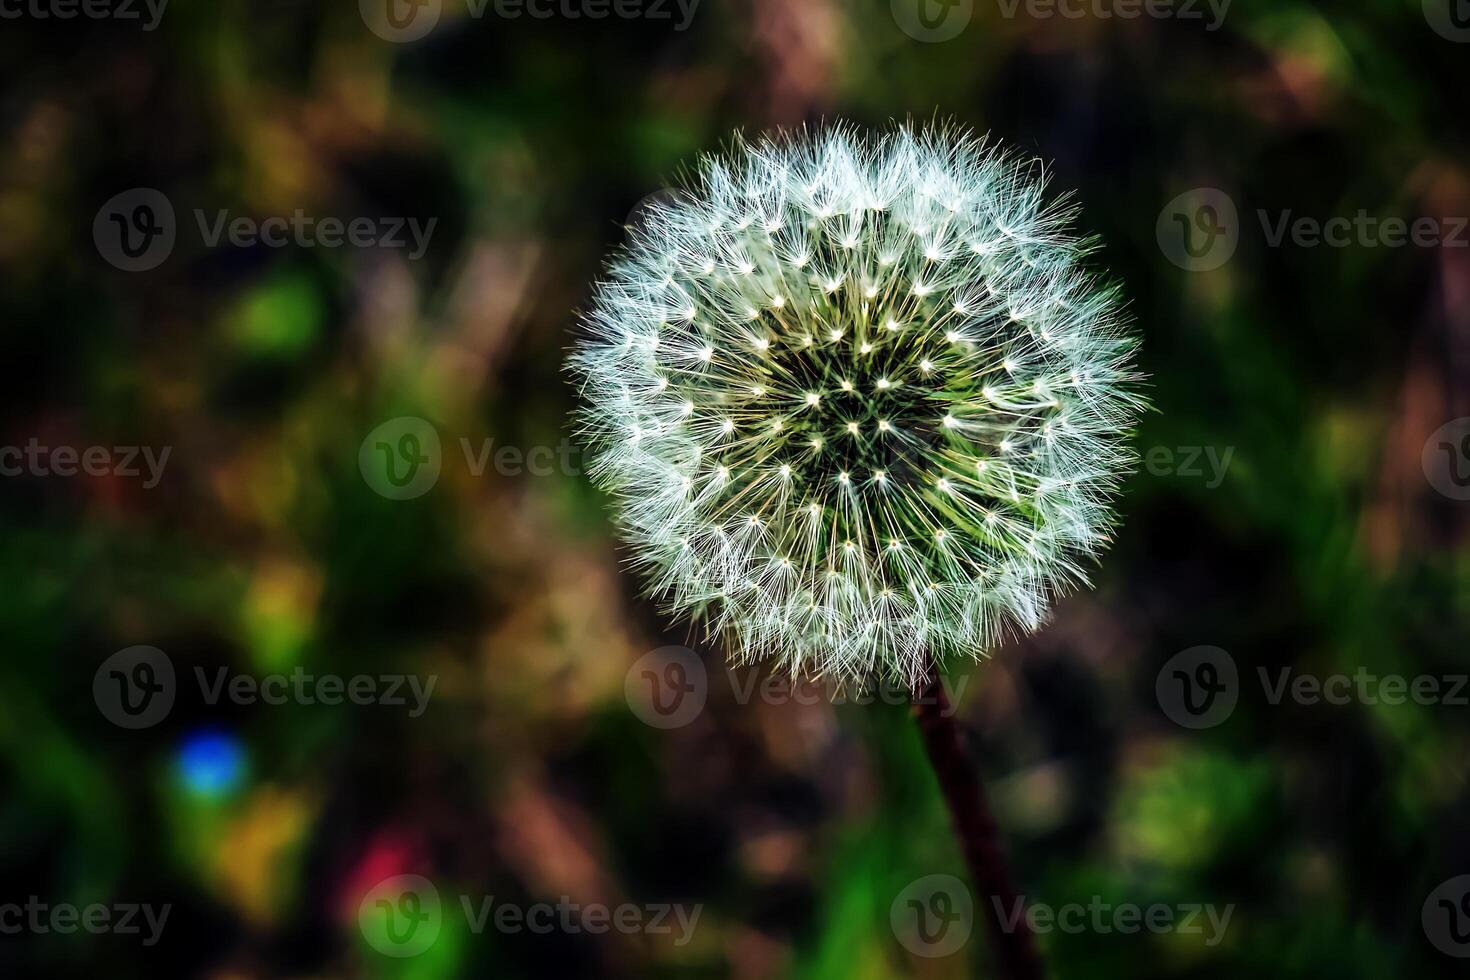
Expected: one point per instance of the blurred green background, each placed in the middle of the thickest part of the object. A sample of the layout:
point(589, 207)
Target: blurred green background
point(264, 546)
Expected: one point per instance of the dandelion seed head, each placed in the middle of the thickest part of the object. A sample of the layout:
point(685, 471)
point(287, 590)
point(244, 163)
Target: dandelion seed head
point(821, 306)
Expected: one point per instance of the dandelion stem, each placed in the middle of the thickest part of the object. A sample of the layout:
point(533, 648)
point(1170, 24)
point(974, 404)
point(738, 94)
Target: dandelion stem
point(979, 837)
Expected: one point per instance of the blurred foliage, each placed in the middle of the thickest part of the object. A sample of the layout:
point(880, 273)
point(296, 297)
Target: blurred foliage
point(263, 548)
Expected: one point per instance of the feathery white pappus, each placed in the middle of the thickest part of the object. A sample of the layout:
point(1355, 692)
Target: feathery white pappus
point(858, 400)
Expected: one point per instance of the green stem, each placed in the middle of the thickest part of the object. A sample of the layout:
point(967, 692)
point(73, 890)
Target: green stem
point(979, 837)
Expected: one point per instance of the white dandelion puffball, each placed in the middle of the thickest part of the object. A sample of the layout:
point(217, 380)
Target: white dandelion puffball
point(858, 400)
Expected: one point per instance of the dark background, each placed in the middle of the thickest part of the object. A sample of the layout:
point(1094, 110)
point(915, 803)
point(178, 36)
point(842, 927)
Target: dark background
point(1323, 547)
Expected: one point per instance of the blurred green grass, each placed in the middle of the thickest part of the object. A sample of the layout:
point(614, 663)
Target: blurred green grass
point(264, 549)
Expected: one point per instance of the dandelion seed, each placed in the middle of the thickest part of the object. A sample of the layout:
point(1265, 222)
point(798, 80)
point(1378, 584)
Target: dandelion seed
point(973, 237)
